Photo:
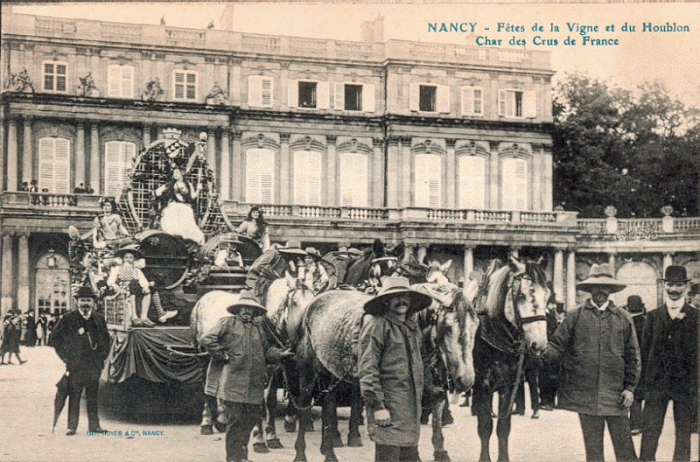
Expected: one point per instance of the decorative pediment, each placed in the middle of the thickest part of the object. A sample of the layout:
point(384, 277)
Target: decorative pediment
point(307, 144)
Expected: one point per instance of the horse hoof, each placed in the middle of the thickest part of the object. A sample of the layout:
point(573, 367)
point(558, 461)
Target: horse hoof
point(337, 441)
point(441, 456)
point(260, 448)
point(331, 458)
point(220, 427)
point(274, 443)
point(308, 426)
point(290, 427)
point(354, 441)
point(300, 458)
point(206, 430)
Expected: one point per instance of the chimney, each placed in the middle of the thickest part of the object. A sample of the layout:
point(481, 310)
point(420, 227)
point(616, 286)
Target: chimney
point(226, 20)
point(373, 31)
point(379, 29)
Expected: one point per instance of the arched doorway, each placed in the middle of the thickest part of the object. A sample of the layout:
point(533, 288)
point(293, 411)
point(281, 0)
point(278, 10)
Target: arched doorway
point(641, 279)
point(52, 284)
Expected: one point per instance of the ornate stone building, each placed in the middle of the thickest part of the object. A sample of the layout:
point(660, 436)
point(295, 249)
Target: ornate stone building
point(444, 147)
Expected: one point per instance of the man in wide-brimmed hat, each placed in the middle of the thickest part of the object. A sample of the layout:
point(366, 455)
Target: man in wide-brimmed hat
point(277, 262)
point(81, 340)
point(598, 350)
point(240, 350)
point(669, 359)
point(390, 369)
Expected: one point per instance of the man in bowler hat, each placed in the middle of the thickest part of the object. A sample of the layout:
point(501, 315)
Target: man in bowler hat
point(669, 360)
point(81, 340)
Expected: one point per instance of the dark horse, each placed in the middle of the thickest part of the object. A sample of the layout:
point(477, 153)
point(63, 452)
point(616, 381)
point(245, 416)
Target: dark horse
point(328, 347)
point(513, 324)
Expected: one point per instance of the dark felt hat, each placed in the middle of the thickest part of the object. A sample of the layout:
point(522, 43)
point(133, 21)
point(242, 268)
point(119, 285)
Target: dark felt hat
point(246, 298)
point(676, 273)
point(393, 286)
point(85, 292)
point(635, 304)
point(129, 248)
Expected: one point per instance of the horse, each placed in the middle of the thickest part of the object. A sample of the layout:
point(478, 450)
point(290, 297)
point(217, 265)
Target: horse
point(328, 346)
point(513, 324)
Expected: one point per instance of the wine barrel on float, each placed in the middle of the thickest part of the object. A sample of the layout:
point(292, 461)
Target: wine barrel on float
point(166, 256)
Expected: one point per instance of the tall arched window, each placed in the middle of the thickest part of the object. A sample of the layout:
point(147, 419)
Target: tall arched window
point(428, 186)
point(307, 177)
point(54, 165)
point(52, 284)
point(260, 176)
point(354, 180)
point(119, 156)
point(472, 182)
point(515, 184)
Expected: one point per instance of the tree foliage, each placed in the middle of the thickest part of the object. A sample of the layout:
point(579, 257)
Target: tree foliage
point(635, 150)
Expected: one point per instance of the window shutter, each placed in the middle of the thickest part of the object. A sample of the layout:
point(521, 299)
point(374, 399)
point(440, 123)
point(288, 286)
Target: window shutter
point(113, 162)
point(114, 77)
point(414, 102)
point(428, 186)
point(515, 186)
point(314, 169)
point(62, 166)
point(443, 98)
point(467, 100)
point(353, 180)
point(521, 184)
point(530, 104)
point(293, 93)
point(478, 99)
point(46, 163)
point(191, 92)
point(127, 82)
point(266, 91)
point(254, 90)
point(502, 95)
point(323, 95)
point(48, 77)
point(368, 97)
point(472, 182)
point(61, 75)
point(179, 85)
point(260, 179)
point(307, 178)
point(339, 96)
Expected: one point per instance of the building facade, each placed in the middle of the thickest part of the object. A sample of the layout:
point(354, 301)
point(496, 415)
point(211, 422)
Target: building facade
point(444, 147)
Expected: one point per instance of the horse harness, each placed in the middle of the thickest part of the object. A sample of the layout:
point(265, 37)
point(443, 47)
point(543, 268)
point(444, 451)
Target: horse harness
point(505, 340)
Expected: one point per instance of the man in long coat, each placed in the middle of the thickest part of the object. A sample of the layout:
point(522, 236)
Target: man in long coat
point(600, 366)
point(669, 358)
point(239, 343)
point(81, 340)
point(390, 370)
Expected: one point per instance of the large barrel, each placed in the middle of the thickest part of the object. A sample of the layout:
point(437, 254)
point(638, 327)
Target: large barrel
point(166, 258)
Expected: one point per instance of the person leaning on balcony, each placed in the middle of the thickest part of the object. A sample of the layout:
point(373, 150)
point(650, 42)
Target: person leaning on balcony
point(669, 361)
point(255, 227)
point(597, 347)
point(108, 228)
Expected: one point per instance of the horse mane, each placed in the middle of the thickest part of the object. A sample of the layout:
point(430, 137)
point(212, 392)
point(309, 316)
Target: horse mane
point(497, 290)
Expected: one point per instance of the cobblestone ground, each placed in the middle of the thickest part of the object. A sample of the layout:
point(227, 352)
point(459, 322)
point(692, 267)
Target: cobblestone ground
point(27, 408)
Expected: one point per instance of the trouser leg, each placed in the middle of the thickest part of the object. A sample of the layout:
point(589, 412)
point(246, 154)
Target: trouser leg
point(653, 421)
point(592, 427)
point(386, 453)
point(241, 420)
point(683, 417)
point(534, 385)
point(92, 383)
point(75, 390)
point(619, 428)
point(409, 454)
point(636, 414)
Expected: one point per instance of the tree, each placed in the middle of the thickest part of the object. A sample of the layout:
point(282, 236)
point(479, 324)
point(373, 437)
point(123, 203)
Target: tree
point(630, 149)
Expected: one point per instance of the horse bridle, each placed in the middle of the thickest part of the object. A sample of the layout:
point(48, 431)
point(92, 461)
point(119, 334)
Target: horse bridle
point(515, 291)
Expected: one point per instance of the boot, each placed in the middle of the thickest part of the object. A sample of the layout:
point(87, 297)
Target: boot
point(167, 315)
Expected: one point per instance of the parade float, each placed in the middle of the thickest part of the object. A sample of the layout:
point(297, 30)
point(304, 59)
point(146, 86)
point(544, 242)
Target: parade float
point(167, 216)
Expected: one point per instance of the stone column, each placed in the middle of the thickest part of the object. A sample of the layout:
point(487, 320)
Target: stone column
point(422, 253)
point(494, 177)
point(571, 280)
point(668, 261)
point(408, 251)
point(331, 189)
point(94, 159)
point(451, 180)
point(211, 150)
point(237, 168)
point(612, 256)
point(547, 178)
point(392, 172)
point(225, 175)
point(407, 173)
point(7, 273)
point(515, 251)
point(146, 129)
point(377, 174)
point(2, 147)
point(23, 277)
point(80, 160)
point(27, 161)
point(536, 177)
point(285, 163)
point(12, 155)
point(559, 274)
point(468, 263)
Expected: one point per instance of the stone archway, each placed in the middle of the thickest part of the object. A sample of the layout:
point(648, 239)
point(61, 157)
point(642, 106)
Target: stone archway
point(641, 279)
point(52, 284)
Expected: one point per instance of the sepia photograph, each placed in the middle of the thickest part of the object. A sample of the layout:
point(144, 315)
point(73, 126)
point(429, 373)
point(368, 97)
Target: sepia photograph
point(350, 231)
